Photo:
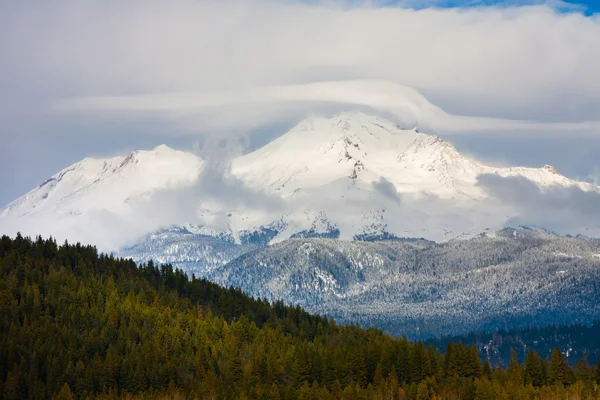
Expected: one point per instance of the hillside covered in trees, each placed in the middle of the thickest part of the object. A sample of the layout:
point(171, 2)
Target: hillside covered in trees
point(78, 324)
point(511, 279)
point(576, 342)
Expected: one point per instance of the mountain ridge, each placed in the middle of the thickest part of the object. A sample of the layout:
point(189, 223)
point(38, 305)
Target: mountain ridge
point(351, 173)
point(510, 279)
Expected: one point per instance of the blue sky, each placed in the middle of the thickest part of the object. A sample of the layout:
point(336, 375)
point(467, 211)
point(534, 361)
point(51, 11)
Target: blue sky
point(586, 7)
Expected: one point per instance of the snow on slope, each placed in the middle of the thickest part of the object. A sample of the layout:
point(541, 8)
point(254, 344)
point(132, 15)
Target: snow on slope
point(370, 177)
point(349, 175)
point(518, 278)
point(320, 150)
point(109, 183)
point(92, 186)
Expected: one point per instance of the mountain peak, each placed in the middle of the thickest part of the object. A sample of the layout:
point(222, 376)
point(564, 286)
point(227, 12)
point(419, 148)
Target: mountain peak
point(550, 169)
point(354, 121)
point(162, 148)
point(99, 184)
point(344, 165)
point(320, 150)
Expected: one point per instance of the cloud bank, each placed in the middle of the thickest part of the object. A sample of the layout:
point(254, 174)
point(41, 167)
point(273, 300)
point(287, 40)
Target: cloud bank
point(563, 209)
point(531, 63)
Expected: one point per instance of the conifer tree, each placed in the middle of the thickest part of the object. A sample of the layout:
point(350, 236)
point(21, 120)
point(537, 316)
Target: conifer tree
point(487, 369)
point(401, 365)
point(515, 370)
point(378, 377)
point(301, 367)
point(583, 370)
point(449, 367)
point(419, 363)
point(423, 391)
point(558, 370)
point(392, 390)
point(12, 386)
point(484, 390)
point(65, 393)
point(533, 370)
point(474, 364)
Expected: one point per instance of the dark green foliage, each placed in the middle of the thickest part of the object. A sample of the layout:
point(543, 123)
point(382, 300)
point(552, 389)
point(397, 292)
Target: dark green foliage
point(583, 371)
point(534, 372)
point(575, 341)
point(515, 370)
point(487, 370)
point(76, 324)
point(558, 369)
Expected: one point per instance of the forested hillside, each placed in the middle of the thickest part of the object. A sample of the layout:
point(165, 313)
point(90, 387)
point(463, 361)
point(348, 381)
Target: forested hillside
point(76, 324)
point(515, 278)
point(574, 341)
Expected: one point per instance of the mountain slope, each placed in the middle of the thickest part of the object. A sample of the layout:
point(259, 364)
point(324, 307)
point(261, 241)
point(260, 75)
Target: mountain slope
point(516, 278)
point(575, 342)
point(349, 175)
point(76, 324)
point(321, 150)
point(109, 183)
point(102, 194)
point(180, 246)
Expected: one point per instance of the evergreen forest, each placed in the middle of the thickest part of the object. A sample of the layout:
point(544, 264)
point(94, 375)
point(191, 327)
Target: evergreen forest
point(76, 324)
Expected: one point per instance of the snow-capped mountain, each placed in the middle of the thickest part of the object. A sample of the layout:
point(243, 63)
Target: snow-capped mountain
point(338, 214)
point(348, 176)
point(113, 183)
point(101, 194)
point(364, 148)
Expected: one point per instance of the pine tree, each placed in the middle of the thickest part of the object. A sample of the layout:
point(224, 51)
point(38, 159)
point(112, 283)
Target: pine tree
point(305, 392)
point(449, 367)
point(378, 377)
point(234, 369)
point(81, 385)
point(583, 370)
point(301, 367)
point(357, 366)
point(401, 364)
point(392, 386)
point(435, 361)
point(65, 393)
point(544, 369)
point(474, 365)
point(336, 389)
point(423, 392)
point(533, 370)
point(13, 388)
point(558, 370)
point(419, 363)
point(487, 369)
point(515, 370)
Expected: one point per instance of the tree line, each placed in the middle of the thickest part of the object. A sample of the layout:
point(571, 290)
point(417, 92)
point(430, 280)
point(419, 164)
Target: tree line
point(78, 324)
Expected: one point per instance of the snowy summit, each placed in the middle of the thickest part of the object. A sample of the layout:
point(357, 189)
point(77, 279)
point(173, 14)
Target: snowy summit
point(351, 174)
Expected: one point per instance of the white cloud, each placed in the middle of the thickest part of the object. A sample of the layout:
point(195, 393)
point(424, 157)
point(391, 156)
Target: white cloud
point(563, 209)
point(268, 104)
point(528, 63)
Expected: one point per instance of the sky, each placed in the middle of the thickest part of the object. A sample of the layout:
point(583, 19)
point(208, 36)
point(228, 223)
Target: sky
point(507, 82)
